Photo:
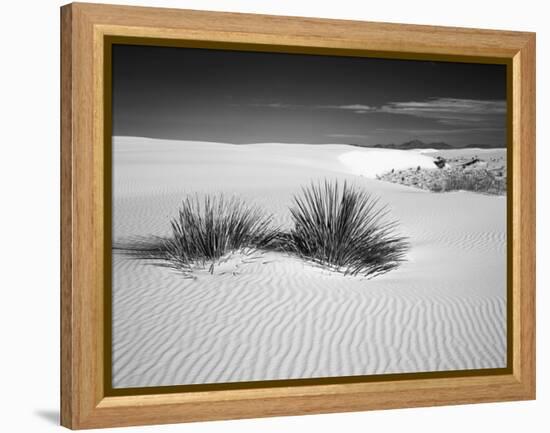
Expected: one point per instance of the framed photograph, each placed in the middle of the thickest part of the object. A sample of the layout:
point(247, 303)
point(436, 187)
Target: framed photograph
point(266, 216)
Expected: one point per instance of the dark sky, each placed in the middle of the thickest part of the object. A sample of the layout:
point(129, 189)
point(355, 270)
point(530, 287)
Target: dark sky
point(248, 97)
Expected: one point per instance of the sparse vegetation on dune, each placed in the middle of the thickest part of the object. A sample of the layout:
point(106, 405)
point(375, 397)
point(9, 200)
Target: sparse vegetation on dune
point(486, 175)
point(204, 231)
point(345, 229)
point(478, 180)
point(334, 225)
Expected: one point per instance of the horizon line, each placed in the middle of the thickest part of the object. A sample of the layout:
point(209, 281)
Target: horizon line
point(467, 146)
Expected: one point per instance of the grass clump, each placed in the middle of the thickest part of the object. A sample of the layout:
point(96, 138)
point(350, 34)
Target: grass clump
point(478, 180)
point(344, 229)
point(204, 231)
point(335, 225)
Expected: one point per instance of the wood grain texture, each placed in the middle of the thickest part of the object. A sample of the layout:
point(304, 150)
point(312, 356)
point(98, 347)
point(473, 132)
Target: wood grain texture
point(526, 221)
point(67, 388)
point(84, 26)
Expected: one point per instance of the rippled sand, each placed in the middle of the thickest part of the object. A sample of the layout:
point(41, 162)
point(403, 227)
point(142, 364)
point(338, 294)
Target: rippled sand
point(272, 316)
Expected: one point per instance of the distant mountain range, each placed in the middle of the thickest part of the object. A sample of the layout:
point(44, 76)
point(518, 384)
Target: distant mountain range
point(418, 144)
point(415, 144)
point(485, 146)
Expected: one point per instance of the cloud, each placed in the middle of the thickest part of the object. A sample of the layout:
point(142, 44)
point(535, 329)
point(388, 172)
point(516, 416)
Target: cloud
point(358, 108)
point(447, 111)
point(348, 135)
point(275, 105)
point(450, 111)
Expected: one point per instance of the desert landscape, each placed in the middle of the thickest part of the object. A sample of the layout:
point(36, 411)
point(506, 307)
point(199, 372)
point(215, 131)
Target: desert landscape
point(265, 315)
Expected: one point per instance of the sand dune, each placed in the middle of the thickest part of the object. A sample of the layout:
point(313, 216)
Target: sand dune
point(373, 162)
point(271, 316)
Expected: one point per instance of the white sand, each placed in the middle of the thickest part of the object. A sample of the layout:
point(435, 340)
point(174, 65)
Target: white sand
point(373, 162)
point(272, 316)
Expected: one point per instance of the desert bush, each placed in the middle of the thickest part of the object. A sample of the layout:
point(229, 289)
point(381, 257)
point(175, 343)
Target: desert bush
point(345, 229)
point(477, 180)
point(204, 231)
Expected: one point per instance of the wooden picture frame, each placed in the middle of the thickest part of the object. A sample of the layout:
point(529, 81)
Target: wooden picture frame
point(86, 30)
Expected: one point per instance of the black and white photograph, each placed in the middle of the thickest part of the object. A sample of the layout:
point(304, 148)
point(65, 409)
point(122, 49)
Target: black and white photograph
point(282, 216)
